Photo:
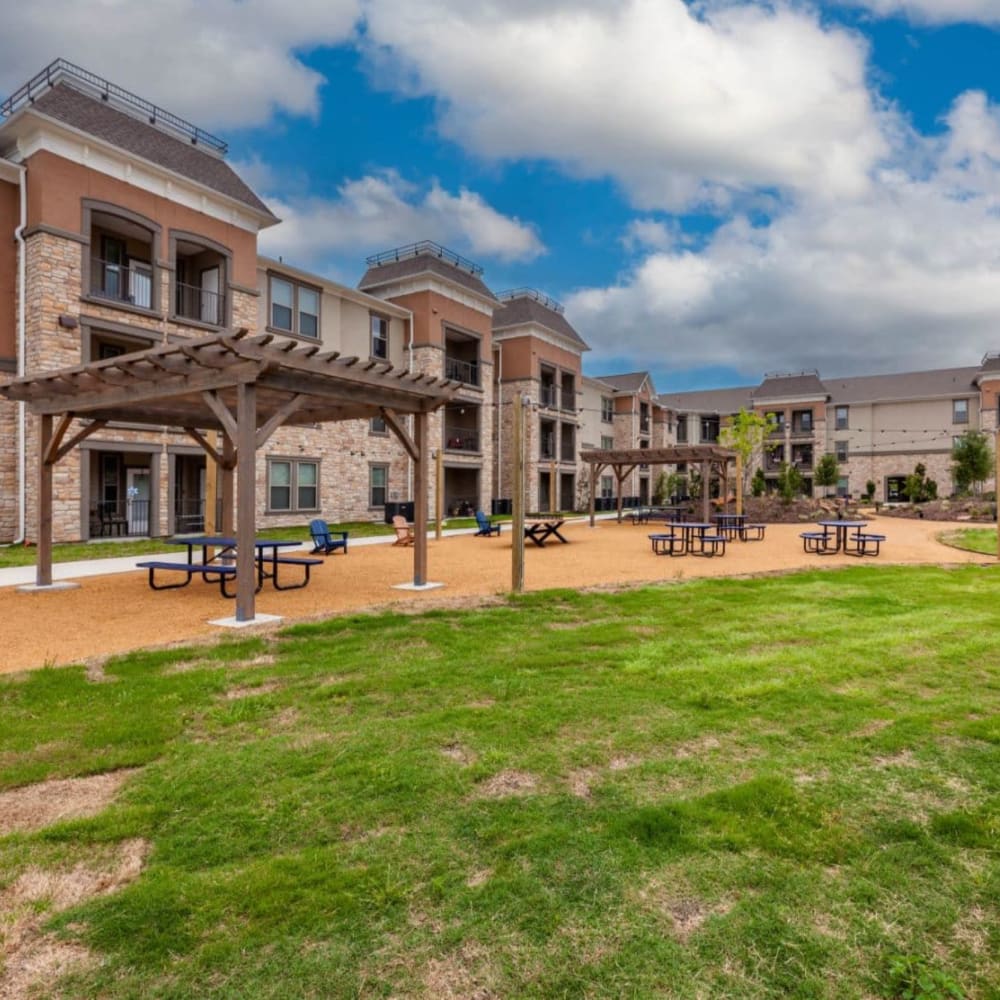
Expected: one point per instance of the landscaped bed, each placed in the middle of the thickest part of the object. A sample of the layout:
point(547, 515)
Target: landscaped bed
point(781, 787)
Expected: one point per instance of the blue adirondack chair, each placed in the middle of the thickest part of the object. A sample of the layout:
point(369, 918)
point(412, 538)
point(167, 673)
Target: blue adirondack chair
point(324, 540)
point(486, 527)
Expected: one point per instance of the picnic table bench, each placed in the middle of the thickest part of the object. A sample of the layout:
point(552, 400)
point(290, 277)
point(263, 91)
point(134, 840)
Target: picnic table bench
point(540, 531)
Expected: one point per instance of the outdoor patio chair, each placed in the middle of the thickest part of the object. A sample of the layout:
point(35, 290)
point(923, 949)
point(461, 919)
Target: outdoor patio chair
point(486, 526)
point(324, 540)
point(404, 531)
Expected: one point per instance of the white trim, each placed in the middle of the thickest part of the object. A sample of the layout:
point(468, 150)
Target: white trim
point(10, 172)
point(430, 281)
point(87, 150)
point(542, 333)
point(270, 265)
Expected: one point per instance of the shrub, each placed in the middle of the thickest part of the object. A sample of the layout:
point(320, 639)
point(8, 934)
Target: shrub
point(758, 484)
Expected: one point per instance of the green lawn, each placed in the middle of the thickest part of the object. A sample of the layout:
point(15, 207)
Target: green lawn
point(972, 539)
point(24, 555)
point(784, 787)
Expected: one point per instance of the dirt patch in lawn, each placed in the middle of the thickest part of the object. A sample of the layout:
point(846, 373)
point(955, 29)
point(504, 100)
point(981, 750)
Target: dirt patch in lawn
point(36, 806)
point(508, 783)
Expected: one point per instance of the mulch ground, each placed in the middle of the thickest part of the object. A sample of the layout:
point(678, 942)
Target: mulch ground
point(114, 614)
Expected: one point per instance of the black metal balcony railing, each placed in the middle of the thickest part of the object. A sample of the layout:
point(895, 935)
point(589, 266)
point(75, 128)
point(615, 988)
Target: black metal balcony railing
point(547, 447)
point(568, 453)
point(644, 424)
point(547, 394)
point(462, 371)
point(569, 400)
point(189, 516)
point(461, 439)
point(194, 302)
point(118, 518)
point(121, 283)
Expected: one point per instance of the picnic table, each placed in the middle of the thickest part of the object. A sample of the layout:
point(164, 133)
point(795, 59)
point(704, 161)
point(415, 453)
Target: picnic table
point(540, 531)
point(221, 565)
point(731, 525)
point(834, 538)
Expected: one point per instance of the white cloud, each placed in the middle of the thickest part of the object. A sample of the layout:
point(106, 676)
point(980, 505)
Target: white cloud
point(936, 11)
point(220, 63)
point(679, 108)
point(383, 210)
point(905, 276)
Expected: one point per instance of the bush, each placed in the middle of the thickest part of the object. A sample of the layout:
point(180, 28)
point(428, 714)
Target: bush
point(758, 484)
point(789, 482)
point(870, 489)
point(919, 488)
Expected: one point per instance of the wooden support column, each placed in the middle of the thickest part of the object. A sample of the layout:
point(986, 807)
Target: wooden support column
point(517, 521)
point(246, 516)
point(228, 493)
point(212, 470)
point(43, 568)
point(593, 476)
point(739, 484)
point(618, 478)
point(438, 491)
point(552, 488)
point(421, 481)
point(706, 472)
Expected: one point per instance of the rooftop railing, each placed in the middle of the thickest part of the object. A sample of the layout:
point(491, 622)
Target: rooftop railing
point(425, 248)
point(533, 294)
point(61, 69)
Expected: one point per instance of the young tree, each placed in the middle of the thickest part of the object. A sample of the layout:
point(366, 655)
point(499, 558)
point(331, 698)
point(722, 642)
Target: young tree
point(919, 488)
point(827, 472)
point(661, 491)
point(758, 484)
point(971, 461)
point(789, 482)
point(747, 433)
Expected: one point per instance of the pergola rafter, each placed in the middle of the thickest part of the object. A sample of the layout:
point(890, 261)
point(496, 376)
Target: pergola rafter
point(245, 386)
point(622, 462)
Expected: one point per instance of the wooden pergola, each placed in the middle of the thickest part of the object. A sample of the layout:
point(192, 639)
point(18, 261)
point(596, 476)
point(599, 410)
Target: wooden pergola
point(706, 456)
point(245, 387)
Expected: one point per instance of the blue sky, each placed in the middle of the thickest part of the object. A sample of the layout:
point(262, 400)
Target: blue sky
point(714, 189)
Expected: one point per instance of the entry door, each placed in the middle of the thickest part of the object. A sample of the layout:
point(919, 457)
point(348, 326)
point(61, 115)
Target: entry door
point(137, 492)
point(210, 295)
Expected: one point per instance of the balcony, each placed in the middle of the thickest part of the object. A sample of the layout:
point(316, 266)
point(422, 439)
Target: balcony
point(548, 394)
point(200, 304)
point(547, 446)
point(568, 401)
point(462, 371)
point(127, 284)
point(461, 439)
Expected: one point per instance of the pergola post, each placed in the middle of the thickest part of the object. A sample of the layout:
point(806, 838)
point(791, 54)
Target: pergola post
point(593, 473)
point(43, 570)
point(420, 484)
point(246, 514)
point(228, 494)
point(739, 483)
point(706, 473)
point(618, 478)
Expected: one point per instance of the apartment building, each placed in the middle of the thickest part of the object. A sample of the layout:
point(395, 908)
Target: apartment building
point(538, 355)
point(878, 426)
point(623, 412)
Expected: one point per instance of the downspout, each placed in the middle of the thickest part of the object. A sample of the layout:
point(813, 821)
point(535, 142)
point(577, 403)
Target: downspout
point(22, 269)
point(498, 475)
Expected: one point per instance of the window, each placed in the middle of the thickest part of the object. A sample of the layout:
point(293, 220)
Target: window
point(682, 430)
point(607, 487)
point(840, 418)
point(840, 450)
point(378, 485)
point(607, 410)
point(292, 485)
point(710, 429)
point(607, 442)
point(843, 487)
point(959, 411)
point(294, 308)
point(380, 337)
point(802, 420)
point(377, 426)
point(106, 351)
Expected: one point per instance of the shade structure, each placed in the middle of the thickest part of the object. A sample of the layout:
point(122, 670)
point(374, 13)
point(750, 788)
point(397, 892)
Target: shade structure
point(623, 461)
point(243, 386)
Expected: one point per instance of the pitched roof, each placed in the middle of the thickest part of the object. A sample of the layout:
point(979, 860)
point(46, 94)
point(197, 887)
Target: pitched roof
point(904, 385)
point(721, 401)
point(422, 262)
point(790, 386)
point(66, 104)
point(629, 382)
point(525, 309)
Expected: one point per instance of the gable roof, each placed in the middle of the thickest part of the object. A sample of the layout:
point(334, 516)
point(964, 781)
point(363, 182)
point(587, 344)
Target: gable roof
point(64, 103)
point(904, 385)
point(781, 386)
point(721, 401)
point(629, 382)
point(524, 309)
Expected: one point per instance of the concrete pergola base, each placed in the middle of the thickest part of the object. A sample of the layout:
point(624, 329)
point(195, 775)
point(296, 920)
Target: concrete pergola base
point(234, 622)
point(416, 586)
point(44, 588)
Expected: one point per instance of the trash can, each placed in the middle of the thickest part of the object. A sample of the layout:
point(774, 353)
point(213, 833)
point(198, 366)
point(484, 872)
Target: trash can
point(501, 506)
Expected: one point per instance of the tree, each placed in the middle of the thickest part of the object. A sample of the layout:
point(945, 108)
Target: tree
point(870, 489)
point(789, 482)
point(758, 484)
point(971, 461)
point(827, 472)
point(919, 488)
point(747, 433)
